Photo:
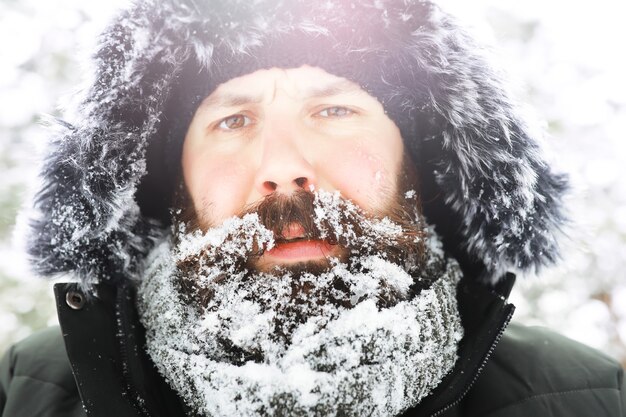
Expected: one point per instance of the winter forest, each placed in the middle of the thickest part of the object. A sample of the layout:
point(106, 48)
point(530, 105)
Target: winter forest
point(566, 66)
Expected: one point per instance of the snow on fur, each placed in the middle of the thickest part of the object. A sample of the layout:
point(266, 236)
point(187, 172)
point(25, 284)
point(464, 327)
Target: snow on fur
point(451, 106)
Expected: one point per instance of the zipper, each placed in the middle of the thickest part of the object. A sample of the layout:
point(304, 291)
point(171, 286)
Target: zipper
point(480, 368)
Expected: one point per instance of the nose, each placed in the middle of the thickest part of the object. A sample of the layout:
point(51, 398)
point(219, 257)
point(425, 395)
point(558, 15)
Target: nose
point(284, 167)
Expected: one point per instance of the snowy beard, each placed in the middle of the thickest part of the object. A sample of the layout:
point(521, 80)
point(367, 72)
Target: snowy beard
point(370, 334)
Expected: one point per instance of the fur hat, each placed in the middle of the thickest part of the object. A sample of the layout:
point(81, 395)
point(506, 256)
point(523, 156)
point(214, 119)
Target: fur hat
point(109, 176)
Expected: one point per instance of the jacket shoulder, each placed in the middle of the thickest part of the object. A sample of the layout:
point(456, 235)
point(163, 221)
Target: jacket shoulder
point(38, 367)
point(534, 371)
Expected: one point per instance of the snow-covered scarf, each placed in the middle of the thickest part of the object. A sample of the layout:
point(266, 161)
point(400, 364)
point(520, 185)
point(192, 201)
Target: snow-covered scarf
point(244, 354)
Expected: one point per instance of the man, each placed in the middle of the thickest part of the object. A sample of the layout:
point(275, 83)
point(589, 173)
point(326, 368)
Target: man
point(282, 208)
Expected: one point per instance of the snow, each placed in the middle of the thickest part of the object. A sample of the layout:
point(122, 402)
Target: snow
point(258, 347)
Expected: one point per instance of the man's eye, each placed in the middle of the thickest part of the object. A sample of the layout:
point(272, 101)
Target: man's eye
point(236, 121)
point(335, 111)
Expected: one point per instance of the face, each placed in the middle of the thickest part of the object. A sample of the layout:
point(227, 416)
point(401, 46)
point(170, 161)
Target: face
point(278, 131)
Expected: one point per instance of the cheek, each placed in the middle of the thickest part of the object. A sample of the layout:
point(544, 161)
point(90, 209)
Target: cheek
point(367, 177)
point(217, 187)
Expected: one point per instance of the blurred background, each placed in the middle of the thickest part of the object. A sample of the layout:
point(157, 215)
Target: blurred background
point(566, 64)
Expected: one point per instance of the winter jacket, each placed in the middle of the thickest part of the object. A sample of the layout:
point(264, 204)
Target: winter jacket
point(519, 371)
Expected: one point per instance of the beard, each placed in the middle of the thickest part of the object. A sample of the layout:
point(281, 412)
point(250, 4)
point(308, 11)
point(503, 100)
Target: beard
point(397, 235)
point(371, 331)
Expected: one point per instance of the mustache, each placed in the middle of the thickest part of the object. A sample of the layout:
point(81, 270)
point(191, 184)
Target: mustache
point(277, 212)
point(347, 226)
point(333, 219)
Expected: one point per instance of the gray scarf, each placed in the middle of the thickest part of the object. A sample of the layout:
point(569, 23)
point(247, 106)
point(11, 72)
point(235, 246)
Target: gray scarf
point(244, 355)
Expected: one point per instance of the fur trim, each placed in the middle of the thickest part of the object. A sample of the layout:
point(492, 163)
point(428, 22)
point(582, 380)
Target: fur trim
point(488, 190)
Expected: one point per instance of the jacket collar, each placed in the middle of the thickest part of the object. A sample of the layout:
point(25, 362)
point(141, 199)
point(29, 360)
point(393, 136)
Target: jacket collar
point(485, 314)
point(105, 346)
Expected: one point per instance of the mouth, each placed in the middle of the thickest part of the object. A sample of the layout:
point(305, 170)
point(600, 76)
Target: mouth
point(293, 246)
point(300, 249)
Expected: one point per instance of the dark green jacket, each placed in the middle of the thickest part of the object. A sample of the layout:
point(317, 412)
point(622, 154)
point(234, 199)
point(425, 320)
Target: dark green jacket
point(532, 371)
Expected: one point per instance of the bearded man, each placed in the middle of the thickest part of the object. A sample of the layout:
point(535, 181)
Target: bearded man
point(284, 208)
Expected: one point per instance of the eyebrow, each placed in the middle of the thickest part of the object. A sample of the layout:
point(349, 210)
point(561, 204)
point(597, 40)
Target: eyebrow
point(234, 100)
point(333, 89)
point(229, 100)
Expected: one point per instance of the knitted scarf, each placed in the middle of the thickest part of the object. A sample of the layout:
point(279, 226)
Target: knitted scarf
point(259, 349)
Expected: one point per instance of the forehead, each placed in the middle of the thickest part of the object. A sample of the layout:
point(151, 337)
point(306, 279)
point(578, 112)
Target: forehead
point(299, 83)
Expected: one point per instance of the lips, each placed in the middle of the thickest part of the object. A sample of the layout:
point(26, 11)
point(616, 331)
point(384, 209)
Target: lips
point(295, 246)
point(301, 249)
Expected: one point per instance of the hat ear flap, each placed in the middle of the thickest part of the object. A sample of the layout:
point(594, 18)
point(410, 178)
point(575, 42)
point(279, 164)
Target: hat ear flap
point(491, 193)
point(87, 218)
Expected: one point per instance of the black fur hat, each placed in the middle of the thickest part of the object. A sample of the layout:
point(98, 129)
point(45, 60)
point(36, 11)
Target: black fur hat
point(109, 177)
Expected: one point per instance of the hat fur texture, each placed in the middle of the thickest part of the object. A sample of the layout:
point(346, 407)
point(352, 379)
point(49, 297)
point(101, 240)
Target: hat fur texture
point(486, 186)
